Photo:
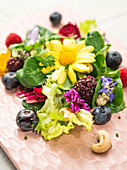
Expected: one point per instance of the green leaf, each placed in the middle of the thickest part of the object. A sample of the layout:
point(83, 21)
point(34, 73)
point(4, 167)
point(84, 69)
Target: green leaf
point(45, 32)
point(34, 106)
point(11, 47)
point(113, 74)
point(87, 26)
point(116, 108)
point(51, 122)
point(99, 66)
point(95, 39)
point(117, 104)
point(104, 50)
point(98, 87)
point(67, 85)
point(84, 118)
point(20, 77)
point(32, 72)
point(48, 61)
point(56, 37)
point(80, 75)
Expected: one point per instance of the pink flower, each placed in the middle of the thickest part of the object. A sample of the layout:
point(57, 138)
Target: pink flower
point(76, 102)
point(70, 30)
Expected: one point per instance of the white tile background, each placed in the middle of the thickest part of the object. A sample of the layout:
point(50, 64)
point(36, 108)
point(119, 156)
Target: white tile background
point(111, 16)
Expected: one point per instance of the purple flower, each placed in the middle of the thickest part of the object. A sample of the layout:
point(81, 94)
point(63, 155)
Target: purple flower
point(108, 85)
point(77, 103)
point(33, 35)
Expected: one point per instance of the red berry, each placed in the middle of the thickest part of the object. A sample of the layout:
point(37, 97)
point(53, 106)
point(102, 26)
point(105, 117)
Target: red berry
point(12, 38)
point(123, 76)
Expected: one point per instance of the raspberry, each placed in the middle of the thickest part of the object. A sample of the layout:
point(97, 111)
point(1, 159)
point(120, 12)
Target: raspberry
point(12, 38)
point(14, 64)
point(86, 87)
point(123, 76)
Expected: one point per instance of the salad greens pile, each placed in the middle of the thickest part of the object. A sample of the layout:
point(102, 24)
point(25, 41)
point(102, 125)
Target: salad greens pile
point(37, 72)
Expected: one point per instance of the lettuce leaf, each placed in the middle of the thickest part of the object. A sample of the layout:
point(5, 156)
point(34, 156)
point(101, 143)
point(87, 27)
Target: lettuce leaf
point(51, 122)
point(83, 118)
point(87, 26)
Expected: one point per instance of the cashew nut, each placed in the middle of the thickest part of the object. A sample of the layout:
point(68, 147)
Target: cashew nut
point(104, 142)
point(66, 113)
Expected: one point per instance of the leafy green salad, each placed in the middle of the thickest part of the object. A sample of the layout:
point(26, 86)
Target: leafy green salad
point(63, 78)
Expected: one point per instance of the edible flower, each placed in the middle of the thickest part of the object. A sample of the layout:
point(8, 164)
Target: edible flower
point(70, 57)
point(70, 30)
point(108, 85)
point(77, 103)
point(4, 57)
point(33, 35)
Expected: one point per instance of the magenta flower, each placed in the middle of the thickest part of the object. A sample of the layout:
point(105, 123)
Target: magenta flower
point(76, 102)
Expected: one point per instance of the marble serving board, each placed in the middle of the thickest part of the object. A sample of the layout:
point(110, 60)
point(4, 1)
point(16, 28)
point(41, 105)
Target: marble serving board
point(67, 152)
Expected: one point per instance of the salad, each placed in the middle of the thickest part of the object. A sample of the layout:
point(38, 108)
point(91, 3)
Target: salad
point(63, 79)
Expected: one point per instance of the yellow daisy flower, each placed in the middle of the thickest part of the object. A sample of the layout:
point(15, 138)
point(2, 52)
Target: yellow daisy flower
point(77, 56)
point(4, 57)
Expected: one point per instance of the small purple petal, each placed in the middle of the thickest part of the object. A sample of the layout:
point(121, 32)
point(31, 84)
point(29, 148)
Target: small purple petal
point(31, 41)
point(114, 83)
point(102, 78)
point(111, 96)
point(103, 90)
point(33, 35)
point(109, 80)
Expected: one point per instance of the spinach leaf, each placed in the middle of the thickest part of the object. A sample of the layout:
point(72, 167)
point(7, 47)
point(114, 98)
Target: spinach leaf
point(98, 87)
point(99, 66)
point(20, 77)
point(45, 32)
point(35, 106)
point(56, 37)
point(117, 104)
point(115, 108)
point(32, 72)
point(104, 50)
point(67, 84)
point(113, 74)
point(95, 39)
point(11, 47)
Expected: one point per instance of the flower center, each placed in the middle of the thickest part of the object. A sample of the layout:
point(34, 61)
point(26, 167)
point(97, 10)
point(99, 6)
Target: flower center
point(67, 58)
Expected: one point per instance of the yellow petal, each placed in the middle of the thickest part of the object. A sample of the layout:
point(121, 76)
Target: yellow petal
point(62, 77)
point(86, 60)
point(72, 75)
point(86, 55)
point(47, 69)
point(69, 44)
point(4, 57)
point(80, 67)
point(85, 50)
point(54, 45)
point(79, 46)
point(56, 74)
point(57, 64)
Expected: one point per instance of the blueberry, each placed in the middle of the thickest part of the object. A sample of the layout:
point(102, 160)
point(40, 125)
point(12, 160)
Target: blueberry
point(102, 114)
point(55, 18)
point(27, 119)
point(10, 81)
point(113, 59)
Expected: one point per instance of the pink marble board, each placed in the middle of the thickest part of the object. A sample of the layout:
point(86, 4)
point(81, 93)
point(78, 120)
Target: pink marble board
point(67, 152)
